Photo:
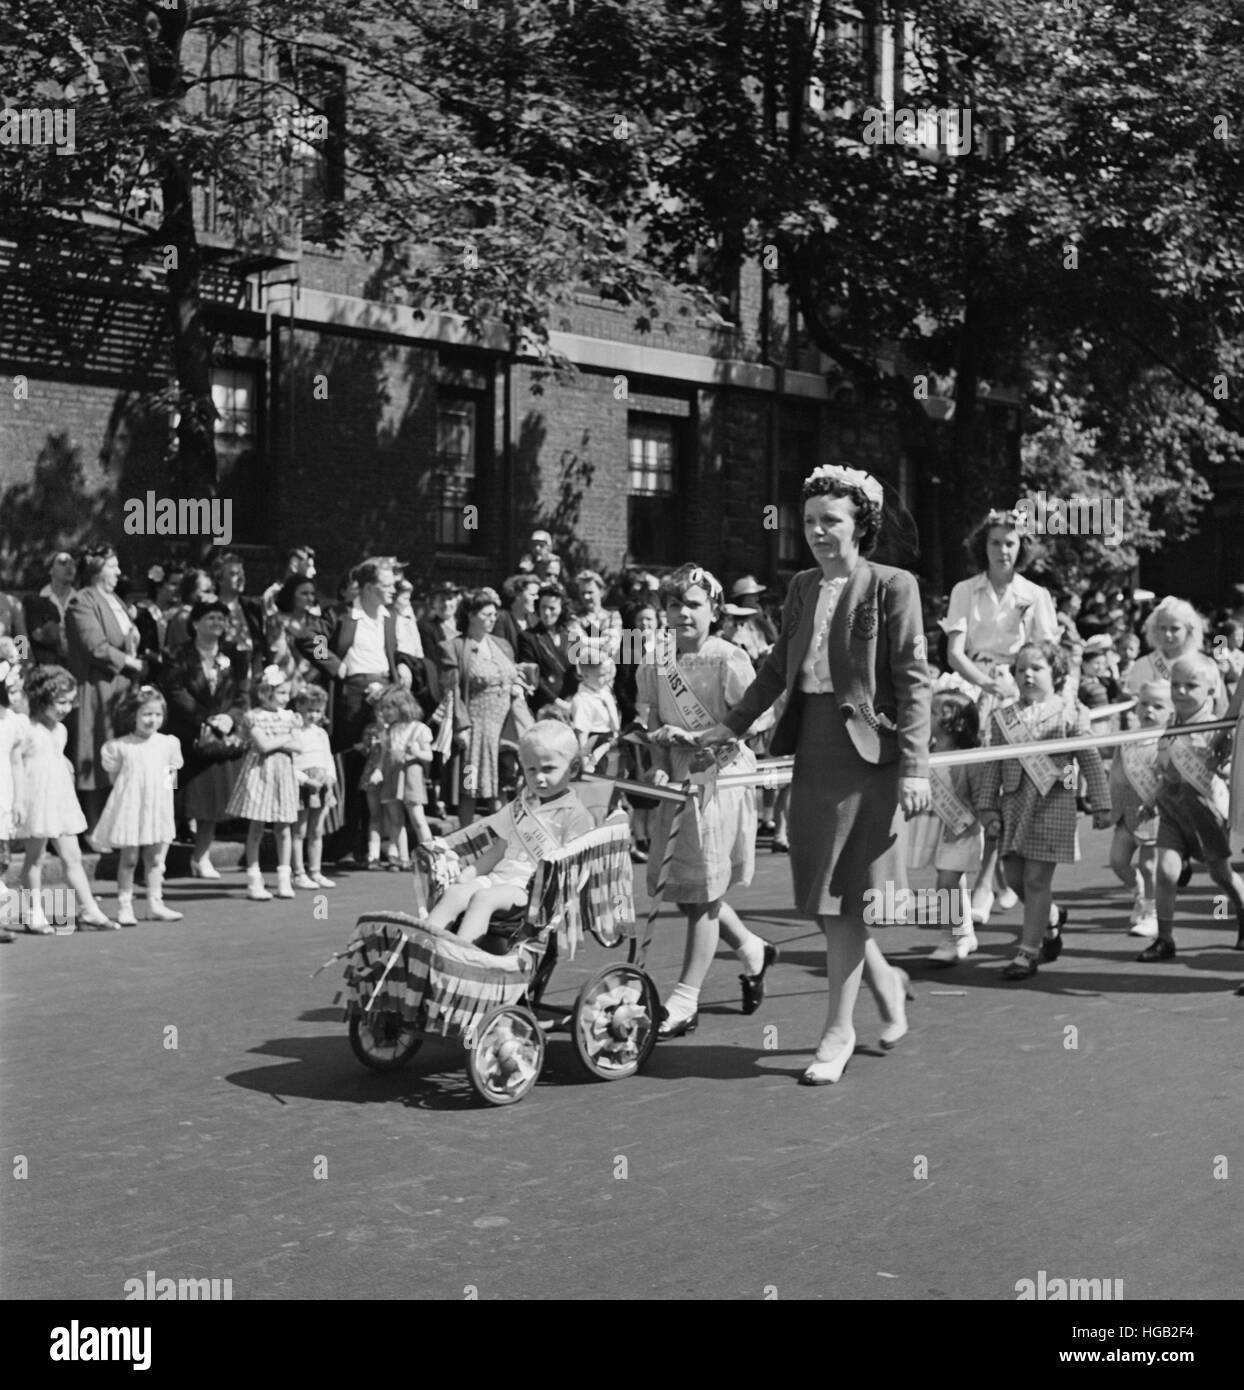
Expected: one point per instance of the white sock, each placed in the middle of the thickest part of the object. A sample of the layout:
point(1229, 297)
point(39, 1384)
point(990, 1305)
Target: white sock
point(751, 954)
point(682, 1003)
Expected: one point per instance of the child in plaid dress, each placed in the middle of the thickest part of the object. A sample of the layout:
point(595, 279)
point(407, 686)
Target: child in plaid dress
point(1192, 802)
point(1037, 814)
point(266, 789)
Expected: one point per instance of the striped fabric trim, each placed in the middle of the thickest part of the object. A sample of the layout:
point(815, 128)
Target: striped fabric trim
point(437, 982)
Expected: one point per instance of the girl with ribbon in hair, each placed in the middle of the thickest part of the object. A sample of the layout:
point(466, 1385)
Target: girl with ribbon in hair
point(851, 659)
point(948, 836)
point(690, 688)
point(267, 789)
point(1035, 820)
point(988, 619)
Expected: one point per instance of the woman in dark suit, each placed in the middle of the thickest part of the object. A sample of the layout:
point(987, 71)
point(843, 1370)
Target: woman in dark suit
point(103, 658)
point(851, 658)
point(206, 684)
point(547, 644)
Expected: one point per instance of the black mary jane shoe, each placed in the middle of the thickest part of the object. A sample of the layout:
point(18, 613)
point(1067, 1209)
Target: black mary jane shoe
point(779, 846)
point(754, 985)
point(1021, 968)
point(1052, 946)
point(1160, 949)
point(1239, 942)
point(667, 1030)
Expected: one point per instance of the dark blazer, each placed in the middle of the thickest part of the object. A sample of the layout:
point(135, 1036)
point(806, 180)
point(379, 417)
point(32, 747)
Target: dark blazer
point(877, 661)
point(328, 657)
point(550, 652)
point(191, 703)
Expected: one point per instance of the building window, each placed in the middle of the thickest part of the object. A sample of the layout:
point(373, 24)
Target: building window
point(457, 445)
point(310, 126)
point(652, 478)
point(236, 394)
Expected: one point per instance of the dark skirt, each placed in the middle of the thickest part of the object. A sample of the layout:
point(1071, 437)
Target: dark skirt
point(207, 787)
point(846, 831)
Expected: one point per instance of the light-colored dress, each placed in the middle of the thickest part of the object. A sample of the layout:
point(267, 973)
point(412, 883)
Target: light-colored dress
point(14, 729)
point(140, 806)
point(403, 780)
point(49, 802)
point(930, 842)
point(715, 847)
point(266, 789)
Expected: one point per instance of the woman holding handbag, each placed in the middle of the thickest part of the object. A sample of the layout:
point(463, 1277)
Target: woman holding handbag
point(491, 695)
point(207, 688)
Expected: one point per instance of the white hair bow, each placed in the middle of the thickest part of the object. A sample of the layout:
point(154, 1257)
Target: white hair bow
point(850, 477)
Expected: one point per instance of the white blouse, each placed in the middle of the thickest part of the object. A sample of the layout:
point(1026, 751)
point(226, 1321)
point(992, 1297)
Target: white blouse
point(814, 673)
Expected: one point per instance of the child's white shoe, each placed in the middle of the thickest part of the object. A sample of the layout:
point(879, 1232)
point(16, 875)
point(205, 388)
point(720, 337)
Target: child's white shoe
point(255, 889)
point(304, 880)
point(284, 888)
point(156, 909)
point(125, 910)
point(953, 947)
point(322, 881)
point(1145, 921)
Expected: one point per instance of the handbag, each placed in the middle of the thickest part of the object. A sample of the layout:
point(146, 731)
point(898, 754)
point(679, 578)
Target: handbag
point(214, 747)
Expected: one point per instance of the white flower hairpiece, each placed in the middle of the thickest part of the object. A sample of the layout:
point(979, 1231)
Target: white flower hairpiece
point(156, 574)
point(273, 676)
point(953, 681)
point(850, 477)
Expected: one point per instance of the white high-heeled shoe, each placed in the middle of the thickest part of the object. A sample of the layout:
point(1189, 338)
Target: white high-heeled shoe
point(896, 1030)
point(827, 1073)
point(203, 868)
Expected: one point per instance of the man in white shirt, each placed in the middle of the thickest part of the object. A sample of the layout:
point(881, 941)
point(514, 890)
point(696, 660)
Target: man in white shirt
point(361, 649)
point(45, 613)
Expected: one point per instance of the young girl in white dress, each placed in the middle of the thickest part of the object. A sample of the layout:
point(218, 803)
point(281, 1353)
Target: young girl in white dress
point(686, 690)
point(267, 790)
point(138, 815)
point(316, 772)
point(949, 837)
point(14, 726)
point(48, 807)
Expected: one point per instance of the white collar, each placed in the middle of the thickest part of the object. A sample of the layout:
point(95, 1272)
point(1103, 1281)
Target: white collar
point(358, 611)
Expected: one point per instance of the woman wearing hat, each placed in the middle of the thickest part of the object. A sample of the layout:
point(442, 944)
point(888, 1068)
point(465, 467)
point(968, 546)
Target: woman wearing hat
point(103, 658)
point(851, 660)
point(988, 620)
point(207, 691)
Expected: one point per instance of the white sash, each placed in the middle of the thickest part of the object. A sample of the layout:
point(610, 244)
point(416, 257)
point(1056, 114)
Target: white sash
point(1161, 667)
point(690, 709)
point(1140, 767)
point(538, 840)
point(1196, 766)
point(953, 812)
point(1042, 770)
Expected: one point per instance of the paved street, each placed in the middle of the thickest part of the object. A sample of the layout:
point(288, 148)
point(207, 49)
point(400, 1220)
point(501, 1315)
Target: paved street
point(712, 1175)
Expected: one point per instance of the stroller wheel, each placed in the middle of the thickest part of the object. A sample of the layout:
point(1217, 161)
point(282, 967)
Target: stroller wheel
point(614, 1023)
point(383, 1041)
point(505, 1055)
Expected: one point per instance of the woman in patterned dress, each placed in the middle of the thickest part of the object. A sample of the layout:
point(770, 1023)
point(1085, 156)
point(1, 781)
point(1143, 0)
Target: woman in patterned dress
point(488, 686)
